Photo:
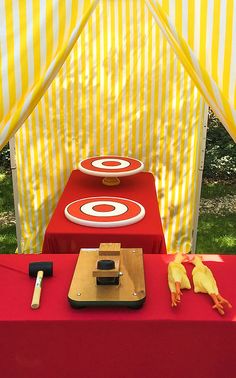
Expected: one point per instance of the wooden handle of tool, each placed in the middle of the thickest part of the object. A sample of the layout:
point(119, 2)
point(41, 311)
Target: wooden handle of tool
point(37, 290)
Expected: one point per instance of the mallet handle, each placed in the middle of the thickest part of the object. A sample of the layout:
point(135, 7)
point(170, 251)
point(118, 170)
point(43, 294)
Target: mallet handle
point(37, 290)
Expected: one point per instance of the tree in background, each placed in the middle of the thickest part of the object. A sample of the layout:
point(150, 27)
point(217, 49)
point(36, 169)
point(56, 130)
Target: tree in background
point(5, 164)
point(220, 158)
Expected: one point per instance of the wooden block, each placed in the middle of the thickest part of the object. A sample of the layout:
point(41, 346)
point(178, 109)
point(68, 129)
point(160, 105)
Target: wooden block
point(108, 273)
point(105, 273)
point(111, 181)
point(109, 249)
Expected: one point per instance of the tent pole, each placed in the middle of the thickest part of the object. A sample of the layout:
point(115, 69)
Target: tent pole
point(15, 191)
point(199, 177)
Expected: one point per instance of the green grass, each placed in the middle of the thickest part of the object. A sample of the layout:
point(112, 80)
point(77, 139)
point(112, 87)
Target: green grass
point(216, 234)
point(8, 239)
point(8, 242)
point(6, 192)
point(218, 189)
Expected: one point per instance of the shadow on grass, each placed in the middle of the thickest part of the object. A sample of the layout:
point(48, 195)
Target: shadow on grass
point(8, 242)
point(212, 190)
point(216, 234)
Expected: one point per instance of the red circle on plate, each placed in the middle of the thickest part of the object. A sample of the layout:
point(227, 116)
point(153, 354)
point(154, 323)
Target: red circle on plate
point(103, 208)
point(111, 163)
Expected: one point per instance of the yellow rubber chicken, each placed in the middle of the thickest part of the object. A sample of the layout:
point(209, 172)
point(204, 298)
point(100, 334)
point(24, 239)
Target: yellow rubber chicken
point(204, 282)
point(177, 278)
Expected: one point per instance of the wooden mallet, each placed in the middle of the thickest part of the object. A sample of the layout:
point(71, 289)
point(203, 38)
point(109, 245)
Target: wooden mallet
point(39, 269)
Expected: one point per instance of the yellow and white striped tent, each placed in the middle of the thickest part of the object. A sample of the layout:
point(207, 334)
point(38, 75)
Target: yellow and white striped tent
point(129, 77)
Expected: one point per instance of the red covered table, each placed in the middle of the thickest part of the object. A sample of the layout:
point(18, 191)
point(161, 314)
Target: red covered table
point(154, 341)
point(63, 236)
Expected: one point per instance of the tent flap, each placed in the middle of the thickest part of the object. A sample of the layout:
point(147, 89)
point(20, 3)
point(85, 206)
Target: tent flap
point(31, 49)
point(219, 94)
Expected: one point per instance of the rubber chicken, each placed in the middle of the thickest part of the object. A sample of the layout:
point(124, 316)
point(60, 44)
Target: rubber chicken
point(204, 282)
point(177, 278)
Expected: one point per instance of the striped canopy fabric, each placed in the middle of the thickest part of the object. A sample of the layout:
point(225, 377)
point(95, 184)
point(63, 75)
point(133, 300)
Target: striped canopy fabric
point(36, 36)
point(203, 36)
point(123, 83)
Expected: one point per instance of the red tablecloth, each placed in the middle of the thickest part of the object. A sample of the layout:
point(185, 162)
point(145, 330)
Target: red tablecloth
point(63, 236)
point(155, 341)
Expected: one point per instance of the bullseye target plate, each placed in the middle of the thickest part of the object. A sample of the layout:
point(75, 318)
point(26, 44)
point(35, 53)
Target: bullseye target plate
point(110, 166)
point(104, 212)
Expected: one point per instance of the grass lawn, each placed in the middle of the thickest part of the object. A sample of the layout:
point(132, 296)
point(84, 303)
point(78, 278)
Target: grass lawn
point(218, 189)
point(7, 219)
point(217, 220)
point(216, 234)
point(216, 227)
point(8, 239)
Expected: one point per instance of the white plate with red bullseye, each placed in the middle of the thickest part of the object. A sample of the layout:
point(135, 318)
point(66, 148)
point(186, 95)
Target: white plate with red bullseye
point(110, 166)
point(104, 212)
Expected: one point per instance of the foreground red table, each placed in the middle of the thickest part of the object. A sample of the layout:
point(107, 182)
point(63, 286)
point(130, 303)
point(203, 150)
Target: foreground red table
point(63, 236)
point(155, 341)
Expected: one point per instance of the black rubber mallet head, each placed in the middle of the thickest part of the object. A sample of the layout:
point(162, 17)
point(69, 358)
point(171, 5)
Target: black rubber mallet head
point(39, 269)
